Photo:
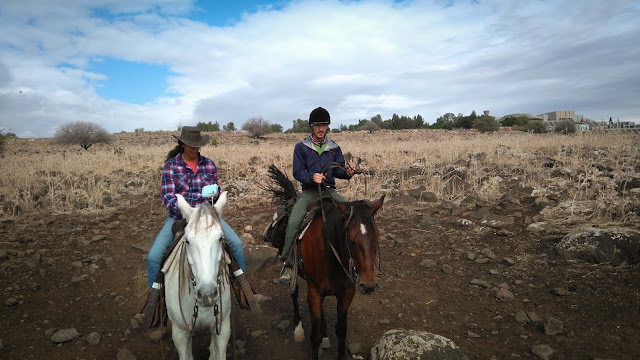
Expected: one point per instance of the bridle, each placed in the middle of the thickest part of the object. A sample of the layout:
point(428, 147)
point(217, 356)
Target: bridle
point(352, 273)
point(223, 272)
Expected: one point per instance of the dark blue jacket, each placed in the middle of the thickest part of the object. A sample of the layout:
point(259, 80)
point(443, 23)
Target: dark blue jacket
point(307, 161)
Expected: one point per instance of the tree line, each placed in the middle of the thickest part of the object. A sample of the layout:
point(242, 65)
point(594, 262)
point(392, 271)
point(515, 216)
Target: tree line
point(85, 133)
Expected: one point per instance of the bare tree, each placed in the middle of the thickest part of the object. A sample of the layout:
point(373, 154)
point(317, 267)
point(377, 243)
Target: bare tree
point(83, 133)
point(257, 127)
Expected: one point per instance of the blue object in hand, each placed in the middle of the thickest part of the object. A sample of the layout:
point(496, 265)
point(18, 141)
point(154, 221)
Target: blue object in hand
point(210, 191)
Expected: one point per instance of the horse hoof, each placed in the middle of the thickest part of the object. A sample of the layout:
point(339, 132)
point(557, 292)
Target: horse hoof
point(298, 333)
point(325, 343)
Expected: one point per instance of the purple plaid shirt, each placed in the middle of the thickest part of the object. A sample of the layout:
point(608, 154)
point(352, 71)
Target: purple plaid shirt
point(178, 178)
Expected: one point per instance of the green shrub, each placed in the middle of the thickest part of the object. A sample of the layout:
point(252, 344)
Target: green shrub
point(534, 126)
point(486, 124)
point(565, 126)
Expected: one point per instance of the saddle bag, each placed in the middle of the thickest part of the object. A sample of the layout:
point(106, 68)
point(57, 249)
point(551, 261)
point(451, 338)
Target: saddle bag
point(275, 232)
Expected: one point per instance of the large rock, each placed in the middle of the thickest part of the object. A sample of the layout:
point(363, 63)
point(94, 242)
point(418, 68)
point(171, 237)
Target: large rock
point(614, 245)
point(418, 345)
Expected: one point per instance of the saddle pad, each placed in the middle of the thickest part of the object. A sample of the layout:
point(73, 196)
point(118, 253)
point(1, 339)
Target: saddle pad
point(306, 221)
point(173, 255)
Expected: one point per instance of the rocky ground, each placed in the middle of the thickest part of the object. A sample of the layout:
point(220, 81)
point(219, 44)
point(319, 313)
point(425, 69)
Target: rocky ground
point(475, 273)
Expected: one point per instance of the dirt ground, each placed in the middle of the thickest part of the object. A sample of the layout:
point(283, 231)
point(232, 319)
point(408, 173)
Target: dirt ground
point(91, 283)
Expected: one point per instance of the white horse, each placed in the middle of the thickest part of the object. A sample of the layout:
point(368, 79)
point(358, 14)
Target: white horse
point(197, 290)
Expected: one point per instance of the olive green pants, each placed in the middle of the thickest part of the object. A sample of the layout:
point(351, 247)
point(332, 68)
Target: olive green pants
point(297, 214)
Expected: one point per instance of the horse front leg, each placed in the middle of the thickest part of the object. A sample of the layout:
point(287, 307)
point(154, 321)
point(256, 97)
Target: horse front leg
point(343, 304)
point(298, 332)
point(219, 343)
point(314, 300)
point(182, 341)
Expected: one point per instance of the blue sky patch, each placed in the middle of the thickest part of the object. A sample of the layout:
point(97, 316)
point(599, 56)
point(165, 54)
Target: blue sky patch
point(131, 82)
point(228, 12)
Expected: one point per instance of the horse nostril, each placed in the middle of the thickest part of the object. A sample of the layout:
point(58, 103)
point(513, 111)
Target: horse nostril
point(367, 290)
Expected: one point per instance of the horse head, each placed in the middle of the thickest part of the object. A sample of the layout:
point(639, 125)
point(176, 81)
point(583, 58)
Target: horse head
point(204, 246)
point(363, 235)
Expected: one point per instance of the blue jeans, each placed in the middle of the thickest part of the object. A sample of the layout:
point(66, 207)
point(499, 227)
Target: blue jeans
point(164, 238)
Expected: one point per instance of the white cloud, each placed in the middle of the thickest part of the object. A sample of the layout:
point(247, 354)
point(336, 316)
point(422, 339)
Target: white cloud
point(357, 59)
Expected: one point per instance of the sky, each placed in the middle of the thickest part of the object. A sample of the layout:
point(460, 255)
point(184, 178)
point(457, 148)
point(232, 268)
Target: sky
point(160, 64)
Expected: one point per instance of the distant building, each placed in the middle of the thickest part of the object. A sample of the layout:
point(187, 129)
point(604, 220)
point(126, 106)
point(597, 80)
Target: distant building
point(559, 115)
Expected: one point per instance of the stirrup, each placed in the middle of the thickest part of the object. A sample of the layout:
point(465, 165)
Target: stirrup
point(285, 275)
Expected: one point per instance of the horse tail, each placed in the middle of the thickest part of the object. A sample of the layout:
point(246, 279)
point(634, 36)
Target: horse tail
point(285, 189)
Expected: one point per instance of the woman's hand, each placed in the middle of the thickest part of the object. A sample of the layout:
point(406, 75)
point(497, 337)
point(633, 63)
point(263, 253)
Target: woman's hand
point(318, 177)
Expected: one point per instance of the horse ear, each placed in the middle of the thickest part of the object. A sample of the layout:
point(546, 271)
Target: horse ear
point(343, 208)
point(185, 209)
point(377, 205)
point(221, 202)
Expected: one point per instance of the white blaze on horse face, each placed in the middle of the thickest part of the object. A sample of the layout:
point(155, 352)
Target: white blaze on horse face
point(363, 229)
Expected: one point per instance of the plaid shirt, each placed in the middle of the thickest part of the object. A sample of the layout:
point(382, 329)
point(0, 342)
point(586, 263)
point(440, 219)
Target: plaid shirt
point(178, 178)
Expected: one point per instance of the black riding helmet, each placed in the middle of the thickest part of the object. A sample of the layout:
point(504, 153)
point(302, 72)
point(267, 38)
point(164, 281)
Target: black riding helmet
point(319, 115)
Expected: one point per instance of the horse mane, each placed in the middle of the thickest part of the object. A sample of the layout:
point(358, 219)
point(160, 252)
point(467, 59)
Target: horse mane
point(206, 209)
point(284, 189)
point(333, 229)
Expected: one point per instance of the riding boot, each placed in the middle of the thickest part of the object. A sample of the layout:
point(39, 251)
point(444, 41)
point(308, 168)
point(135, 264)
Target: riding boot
point(242, 288)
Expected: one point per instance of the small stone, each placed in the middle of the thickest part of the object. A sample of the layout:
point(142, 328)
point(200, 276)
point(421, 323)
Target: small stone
point(480, 283)
point(522, 318)
point(471, 334)
point(257, 333)
point(355, 348)
point(428, 263)
point(468, 255)
point(93, 338)
point(383, 322)
point(125, 354)
point(534, 316)
point(553, 326)
point(11, 301)
point(65, 335)
point(78, 279)
point(241, 344)
point(447, 269)
point(156, 335)
point(488, 253)
point(503, 294)
point(283, 325)
point(507, 261)
point(98, 237)
point(560, 292)
point(543, 351)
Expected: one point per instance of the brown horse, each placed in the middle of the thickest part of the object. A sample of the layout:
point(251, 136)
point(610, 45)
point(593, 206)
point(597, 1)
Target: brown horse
point(337, 253)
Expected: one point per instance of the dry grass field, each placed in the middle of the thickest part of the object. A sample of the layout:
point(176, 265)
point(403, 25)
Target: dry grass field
point(71, 219)
point(41, 175)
